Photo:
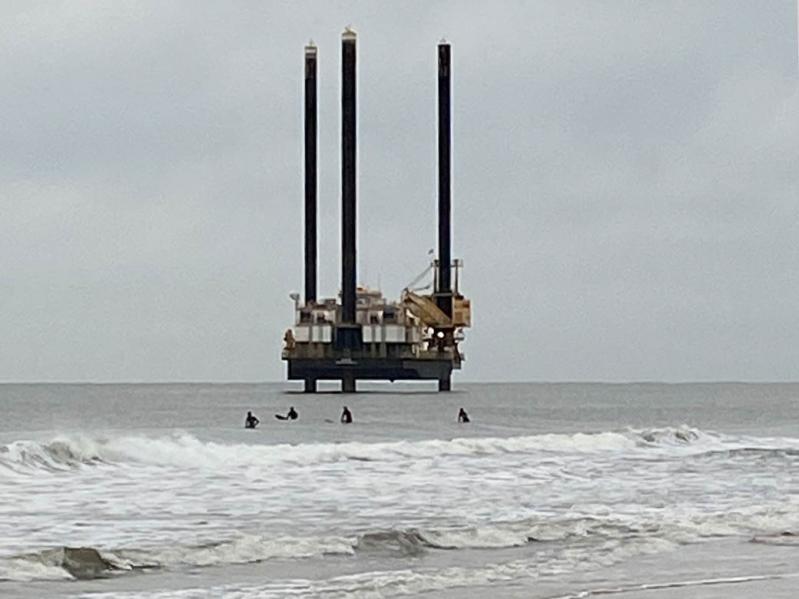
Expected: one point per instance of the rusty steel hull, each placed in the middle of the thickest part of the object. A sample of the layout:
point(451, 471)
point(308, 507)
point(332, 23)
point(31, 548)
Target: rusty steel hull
point(348, 370)
point(368, 369)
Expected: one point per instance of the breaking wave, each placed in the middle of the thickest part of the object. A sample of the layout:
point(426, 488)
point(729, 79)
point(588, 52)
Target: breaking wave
point(186, 451)
point(60, 454)
point(81, 563)
point(90, 562)
point(566, 534)
point(580, 524)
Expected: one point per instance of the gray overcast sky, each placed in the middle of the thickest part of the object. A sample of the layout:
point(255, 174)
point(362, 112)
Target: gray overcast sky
point(626, 183)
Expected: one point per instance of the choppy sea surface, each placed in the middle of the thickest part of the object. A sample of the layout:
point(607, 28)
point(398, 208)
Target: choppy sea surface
point(552, 491)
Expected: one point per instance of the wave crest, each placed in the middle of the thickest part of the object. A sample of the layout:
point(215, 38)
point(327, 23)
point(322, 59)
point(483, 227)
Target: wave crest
point(89, 562)
point(559, 534)
point(59, 454)
point(80, 563)
point(186, 451)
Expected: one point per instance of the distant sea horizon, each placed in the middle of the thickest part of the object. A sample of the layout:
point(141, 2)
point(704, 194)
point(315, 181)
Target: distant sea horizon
point(410, 383)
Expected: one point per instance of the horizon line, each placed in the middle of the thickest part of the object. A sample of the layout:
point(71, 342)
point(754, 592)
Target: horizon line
point(414, 382)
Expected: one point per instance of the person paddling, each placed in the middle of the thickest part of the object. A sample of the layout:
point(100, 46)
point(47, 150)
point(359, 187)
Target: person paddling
point(292, 415)
point(463, 416)
point(346, 416)
point(251, 421)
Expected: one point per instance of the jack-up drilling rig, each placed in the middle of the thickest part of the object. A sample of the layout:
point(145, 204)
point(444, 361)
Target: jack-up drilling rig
point(365, 336)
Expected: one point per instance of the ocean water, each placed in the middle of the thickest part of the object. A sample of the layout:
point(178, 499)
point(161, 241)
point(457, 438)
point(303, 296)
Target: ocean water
point(552, 491)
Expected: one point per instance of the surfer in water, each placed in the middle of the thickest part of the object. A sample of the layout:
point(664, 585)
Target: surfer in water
point(292, 415)
point(463, 416)
point(346, 416)
point(251, 421)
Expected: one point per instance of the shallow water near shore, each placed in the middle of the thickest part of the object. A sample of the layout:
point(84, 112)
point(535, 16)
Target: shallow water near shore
point(553, 490)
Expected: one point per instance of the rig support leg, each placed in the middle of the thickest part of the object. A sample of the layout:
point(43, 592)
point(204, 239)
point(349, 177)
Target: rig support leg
point(310, 385)
point(444, 383)
point(348, 384)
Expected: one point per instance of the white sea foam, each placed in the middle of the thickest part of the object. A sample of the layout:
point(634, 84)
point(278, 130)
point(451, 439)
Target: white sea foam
point(24, 569)
point(177, 501)
point(612, 539)
point(186, 451)
point(413, 582)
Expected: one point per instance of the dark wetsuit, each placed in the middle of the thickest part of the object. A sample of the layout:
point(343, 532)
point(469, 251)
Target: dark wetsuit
point(346, 416)
point(463, 416)
point(292, 415)
point(251, 421)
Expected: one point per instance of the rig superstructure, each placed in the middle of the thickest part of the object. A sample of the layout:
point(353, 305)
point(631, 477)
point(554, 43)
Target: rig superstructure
point(366, 336)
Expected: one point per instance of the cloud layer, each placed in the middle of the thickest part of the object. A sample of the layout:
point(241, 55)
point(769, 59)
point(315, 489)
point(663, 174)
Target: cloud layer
point(626, 190)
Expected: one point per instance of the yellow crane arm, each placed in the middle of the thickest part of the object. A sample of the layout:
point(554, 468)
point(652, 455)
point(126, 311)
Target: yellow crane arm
point(425, 309)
